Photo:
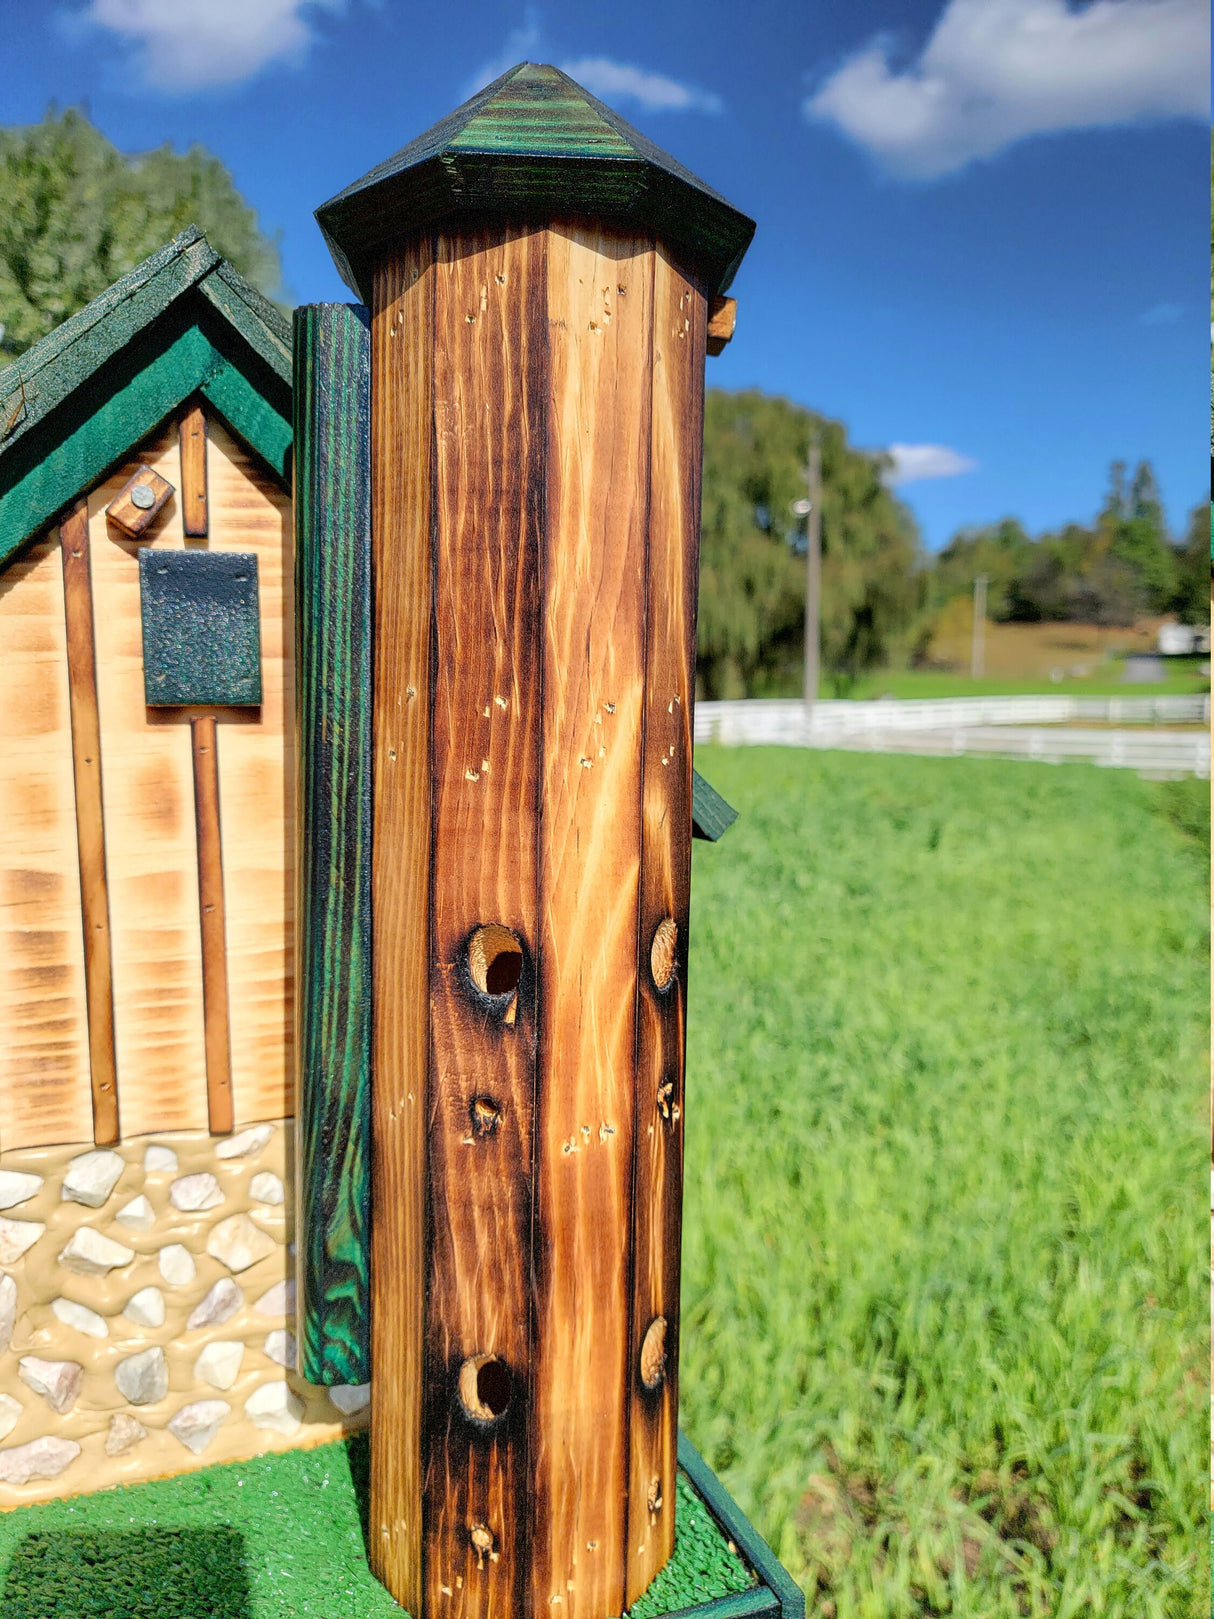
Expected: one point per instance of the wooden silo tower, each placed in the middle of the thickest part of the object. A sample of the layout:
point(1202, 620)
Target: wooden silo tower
point(540, 280)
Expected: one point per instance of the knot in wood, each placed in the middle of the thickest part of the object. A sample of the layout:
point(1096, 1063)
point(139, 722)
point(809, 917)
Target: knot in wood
point(663, 961)
point(653, 1353)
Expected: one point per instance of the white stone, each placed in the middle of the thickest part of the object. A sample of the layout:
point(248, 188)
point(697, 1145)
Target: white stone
point(275, 1407)
point(237, 1243)
point(220, 1305)
point(267, 1188)
point(160, 1161)
point(10, 1414)
point(90, 1254)
point(138, 1214)
point(80, 1317)
point(193, 1193)
point(351, 1397)
point(279, 1300)
point(92, 1177)
point(16, 1188)
point(41, 1458)
point(197, 1424)
point(125, 1433)
point(144, 1378)
point(176, 1265)
point(16, 1237)
point(280, 1346)
point(219, 1363)
point(246, 1143)
point(8, 1310)
point(146, 1308)
point(58, 1381)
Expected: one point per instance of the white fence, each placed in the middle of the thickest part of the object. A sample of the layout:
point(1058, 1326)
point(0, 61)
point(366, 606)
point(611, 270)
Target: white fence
point(1009, 727)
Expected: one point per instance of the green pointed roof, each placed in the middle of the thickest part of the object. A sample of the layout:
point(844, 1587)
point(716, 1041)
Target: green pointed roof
point(533, 143)
point(75, 404)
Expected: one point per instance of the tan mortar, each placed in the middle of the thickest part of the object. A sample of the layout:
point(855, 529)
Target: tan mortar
point(40, 1279)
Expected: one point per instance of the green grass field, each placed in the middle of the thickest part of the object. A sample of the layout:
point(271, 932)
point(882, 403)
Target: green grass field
point(1181, 677)
point(945, 1331)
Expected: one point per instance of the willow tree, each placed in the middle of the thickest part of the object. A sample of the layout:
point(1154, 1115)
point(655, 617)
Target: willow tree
point(76, 213)
point(752, 550)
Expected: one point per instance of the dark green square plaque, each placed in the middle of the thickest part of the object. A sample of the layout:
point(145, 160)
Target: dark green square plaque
point(201, 632)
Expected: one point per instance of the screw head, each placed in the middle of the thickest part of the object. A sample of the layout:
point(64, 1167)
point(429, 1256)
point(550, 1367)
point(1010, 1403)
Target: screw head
point(142, 497)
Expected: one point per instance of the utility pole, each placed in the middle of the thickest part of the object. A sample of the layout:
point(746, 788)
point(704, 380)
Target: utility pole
point(977, 648)
point(813, 575)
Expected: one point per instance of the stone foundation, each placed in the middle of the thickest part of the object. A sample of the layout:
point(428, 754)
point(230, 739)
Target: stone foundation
point(146, 1313)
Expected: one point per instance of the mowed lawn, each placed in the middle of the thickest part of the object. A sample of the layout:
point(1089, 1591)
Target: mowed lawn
point(945, 1320)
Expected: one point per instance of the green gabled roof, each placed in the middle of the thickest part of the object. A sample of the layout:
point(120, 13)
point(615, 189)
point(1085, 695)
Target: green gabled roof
point(182, 322)
point(533, 143)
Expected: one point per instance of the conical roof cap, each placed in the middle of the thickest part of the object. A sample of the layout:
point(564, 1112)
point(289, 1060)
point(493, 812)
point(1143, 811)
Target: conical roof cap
point(533, 144)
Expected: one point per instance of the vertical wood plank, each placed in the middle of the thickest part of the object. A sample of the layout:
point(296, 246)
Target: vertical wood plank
point(151, 846)
point(333, 979)
point(90, 825)
point(600, 292)
point(216, 1020)
point(402, 336)
point(671, 582)
point(192, 441)
point(45, 1094)
point(490, 393)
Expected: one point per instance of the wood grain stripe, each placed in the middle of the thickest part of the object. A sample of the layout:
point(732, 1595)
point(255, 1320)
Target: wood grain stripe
point(600, 291)
point(671, 579)
point(402, 336)
point(216, 1015)
point(490, 399)
point(90, 826)
point(192, 439)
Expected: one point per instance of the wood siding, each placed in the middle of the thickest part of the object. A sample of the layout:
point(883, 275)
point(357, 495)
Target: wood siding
point(150, 845)
point(44, 1056)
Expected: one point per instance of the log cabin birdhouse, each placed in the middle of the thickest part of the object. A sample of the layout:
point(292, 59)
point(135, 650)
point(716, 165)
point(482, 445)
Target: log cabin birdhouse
point(498, 498)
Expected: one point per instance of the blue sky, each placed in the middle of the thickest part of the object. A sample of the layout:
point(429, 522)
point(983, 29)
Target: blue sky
point(981, 223)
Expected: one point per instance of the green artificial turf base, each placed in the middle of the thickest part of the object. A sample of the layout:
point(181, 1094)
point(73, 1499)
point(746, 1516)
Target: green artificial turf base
point(281, 1537)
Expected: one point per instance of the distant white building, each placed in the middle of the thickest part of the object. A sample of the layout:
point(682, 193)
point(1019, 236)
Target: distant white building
point(1183, 640)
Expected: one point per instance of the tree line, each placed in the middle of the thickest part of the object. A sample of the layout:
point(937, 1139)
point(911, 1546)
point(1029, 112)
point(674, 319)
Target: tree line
point(75, 214)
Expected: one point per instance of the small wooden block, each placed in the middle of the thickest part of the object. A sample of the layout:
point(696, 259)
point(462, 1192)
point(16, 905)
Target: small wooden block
point(722, 318)
point(136, 505)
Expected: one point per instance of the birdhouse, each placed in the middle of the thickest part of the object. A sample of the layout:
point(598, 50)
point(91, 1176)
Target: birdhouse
point(498, 763)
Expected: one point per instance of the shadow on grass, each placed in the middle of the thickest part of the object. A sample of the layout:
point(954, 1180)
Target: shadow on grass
point(128, 1574)
point(358, 1458)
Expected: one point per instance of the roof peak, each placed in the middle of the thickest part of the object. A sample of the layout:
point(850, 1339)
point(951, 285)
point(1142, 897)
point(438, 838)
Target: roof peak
point(534, 141)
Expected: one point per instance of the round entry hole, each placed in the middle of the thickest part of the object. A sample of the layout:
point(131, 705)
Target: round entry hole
point(663, 961)
point(484, 1387)
point(495, 960)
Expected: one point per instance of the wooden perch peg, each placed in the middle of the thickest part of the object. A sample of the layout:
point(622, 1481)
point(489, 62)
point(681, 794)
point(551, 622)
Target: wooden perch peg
point(722, 318)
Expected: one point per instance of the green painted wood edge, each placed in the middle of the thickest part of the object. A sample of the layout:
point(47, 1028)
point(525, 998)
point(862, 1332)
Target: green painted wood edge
point(759, 1599)
point(333, 949)
point(744, 1535)
point(711, 816)
point(46, 374)
point(264, 328)
point(121, 418)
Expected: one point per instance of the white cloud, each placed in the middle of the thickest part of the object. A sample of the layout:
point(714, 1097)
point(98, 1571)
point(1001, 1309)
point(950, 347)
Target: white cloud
point(620, 81)
point(996, 71)
point(187, 45)
point(613, 82)
point(1161, 315)
point(915, 462)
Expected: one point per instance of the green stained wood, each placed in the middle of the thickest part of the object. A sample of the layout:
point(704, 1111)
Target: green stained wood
point(534, 144)
point(107, 425)
point(711, 816)
point(80, 400)
point(333, 950)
